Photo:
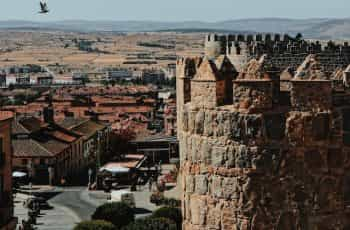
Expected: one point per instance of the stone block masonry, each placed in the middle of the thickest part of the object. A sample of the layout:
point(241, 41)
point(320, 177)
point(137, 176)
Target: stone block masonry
point(256, 162)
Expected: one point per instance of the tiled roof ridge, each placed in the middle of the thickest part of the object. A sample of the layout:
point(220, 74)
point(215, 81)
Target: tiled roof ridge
point(42, 147)
point(84, 120)
point(22, 126)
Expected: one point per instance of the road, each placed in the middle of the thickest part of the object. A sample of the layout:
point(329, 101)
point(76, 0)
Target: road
point(68, 208)
point(55, 218)
point(73, 199)
point(72, 205)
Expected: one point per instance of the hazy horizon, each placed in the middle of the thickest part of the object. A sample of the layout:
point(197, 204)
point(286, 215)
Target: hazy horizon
point(166, 11)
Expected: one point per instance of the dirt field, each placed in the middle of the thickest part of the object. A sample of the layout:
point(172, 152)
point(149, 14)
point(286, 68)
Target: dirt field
point(47, 48)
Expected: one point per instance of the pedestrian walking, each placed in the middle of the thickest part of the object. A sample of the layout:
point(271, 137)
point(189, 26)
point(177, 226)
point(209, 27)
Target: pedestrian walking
point(150, 184)
point(139, 182)
point(160, 166)
point(21, 226)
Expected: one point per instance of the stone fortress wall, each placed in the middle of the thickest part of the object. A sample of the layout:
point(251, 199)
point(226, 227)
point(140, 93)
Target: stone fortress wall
point(264, 146)
point(283, 50)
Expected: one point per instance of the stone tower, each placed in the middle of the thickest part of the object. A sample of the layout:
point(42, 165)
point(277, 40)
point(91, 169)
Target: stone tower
point(273, 157)
point(215, 45)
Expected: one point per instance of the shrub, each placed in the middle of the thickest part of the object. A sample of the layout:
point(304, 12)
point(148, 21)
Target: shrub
point(152, 224)
point(171, 213)
point(159, 199)
point(118, 213)
point(172, 202)
point(94, 225)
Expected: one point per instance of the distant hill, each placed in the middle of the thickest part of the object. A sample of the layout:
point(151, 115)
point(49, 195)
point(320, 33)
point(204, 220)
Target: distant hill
point(322, 28)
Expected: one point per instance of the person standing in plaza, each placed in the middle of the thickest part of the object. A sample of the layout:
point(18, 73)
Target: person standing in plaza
point(150, 184)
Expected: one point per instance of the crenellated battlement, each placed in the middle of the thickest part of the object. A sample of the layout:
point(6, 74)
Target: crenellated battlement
point(265, 139)
point(248, 37)
point(257, 86)
point(282, 50)
point(260, 82)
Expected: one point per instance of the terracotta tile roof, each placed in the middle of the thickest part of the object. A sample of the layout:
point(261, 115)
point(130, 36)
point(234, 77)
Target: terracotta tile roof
point(32, 124)
point(140, 129)
point(114, 100)
point(338, 74)
point(88, 128)
point(124, 109)
point(29, 148)
point(51, 144)
point(5, 115)
point(71, 122)
point(102, 90)
point(310, 69)
point(253, 70)
point(54, 146)
point(17, 128)
point(207, 71)
point(149, 100)
point(62, 136)
point(79, 111)
point(40, 143)
point(287, 74)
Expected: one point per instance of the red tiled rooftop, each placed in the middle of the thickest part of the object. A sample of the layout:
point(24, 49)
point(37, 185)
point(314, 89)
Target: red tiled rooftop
point(5, 115)
point(62, 136)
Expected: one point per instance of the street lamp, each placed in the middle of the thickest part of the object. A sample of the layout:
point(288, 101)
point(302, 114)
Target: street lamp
point(51, 175)
point(90, 177)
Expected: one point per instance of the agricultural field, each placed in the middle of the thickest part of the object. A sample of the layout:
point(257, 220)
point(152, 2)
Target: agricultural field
point(97, 50)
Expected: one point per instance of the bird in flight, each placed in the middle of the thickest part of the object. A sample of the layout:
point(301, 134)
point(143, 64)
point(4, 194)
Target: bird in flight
point(43, 8)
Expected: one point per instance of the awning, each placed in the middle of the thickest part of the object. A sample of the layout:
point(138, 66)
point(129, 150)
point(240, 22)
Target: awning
point(19, 174)
point(115, 169)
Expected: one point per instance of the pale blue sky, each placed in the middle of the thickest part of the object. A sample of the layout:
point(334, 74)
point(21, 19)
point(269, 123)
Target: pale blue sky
point(178, 10)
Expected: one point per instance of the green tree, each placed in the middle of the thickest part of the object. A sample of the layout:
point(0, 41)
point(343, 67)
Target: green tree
point(299, 37)
point(151, 224)
point(171, 213)
point(118, 213)
point(11, 87)
point(119, 140)
point(95, 225)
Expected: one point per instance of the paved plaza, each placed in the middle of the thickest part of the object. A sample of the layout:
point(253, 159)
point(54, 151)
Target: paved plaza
point(59, 217)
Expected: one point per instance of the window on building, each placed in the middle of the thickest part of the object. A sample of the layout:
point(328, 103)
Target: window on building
point(24, 162)
point(2, 189)
point(42, 161)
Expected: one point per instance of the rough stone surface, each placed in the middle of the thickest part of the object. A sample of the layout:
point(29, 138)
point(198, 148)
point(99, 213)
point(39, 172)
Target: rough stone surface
point(263, 162)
